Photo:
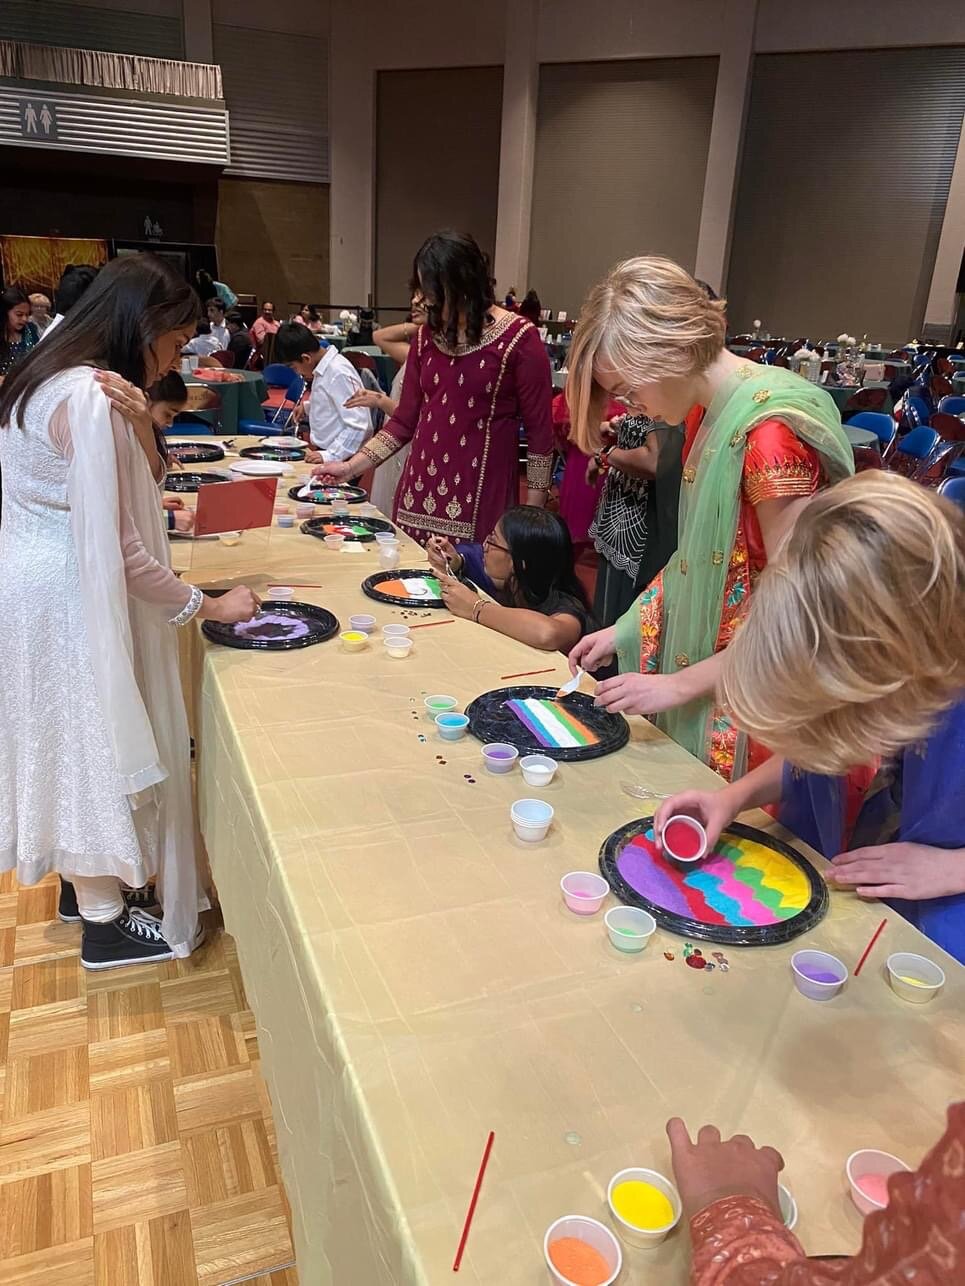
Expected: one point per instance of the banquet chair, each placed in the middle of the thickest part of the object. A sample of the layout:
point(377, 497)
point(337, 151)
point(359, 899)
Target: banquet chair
point(953, 488)
point(910, 453)
point(953, 404)
point(914, 410)
point(948, 427)
point(363, 362)
point(224, 358)
point(284, 413)
point(865, 399)
point(866, 458)
point(279, 379)
point(939, 463)
point(880, 424)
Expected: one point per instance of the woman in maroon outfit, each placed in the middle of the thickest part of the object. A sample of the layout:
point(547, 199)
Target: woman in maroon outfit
point(475, 373)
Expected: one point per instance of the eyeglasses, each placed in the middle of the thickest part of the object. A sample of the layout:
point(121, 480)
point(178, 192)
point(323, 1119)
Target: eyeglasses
point(492, 543)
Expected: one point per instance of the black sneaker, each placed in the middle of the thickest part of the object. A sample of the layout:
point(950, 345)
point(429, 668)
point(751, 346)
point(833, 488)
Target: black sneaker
point(136, 899)
point(134, 939)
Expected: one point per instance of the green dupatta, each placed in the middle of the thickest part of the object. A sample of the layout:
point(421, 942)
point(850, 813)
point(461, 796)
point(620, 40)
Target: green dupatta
point(694, 579)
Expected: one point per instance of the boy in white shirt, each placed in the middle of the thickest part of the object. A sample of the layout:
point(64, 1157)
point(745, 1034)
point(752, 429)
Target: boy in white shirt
point(337, 431)
point(215, 311)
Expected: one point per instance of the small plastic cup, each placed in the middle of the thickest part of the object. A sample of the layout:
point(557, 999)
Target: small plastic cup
point(914, 978)
point(594, 1234)
point(395, 631)
point(629, 928)
point(499, 757)
point(386, 538)
point(644, 1238)
point(367, 510)
point(335, 542)
point(285, 520)
point(280, 592)
point(584, 892)
point(230, 538)
point(869, 1164)
point(304, 510)
point(388, 556)
point(397, 647)
point(817, 974)
point(538, 770)
point(452, 727)
point(283, 509)
point(354, 640)
point(531, 819)
point(439, 704)
point(340, 509)
point(788, 1207)
point(684, 839)
point(363, 622)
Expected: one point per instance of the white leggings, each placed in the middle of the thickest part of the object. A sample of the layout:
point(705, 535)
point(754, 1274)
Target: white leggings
point(99, 897)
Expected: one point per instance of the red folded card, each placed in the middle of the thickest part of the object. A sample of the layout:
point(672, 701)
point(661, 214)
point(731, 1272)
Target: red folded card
point(235, 506)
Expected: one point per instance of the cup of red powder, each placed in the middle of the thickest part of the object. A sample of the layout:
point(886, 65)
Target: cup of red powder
point(683, 839)
point(868, 1172)
point(582, 1252)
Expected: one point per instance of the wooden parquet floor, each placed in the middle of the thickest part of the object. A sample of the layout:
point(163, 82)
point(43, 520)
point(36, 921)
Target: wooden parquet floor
point(136, 1139)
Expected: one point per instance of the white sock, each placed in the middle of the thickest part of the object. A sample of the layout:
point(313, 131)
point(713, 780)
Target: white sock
point(99, 897)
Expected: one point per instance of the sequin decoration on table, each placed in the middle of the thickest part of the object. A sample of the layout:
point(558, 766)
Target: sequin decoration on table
point(553, 726)
point(752, 890)
point(280, 626)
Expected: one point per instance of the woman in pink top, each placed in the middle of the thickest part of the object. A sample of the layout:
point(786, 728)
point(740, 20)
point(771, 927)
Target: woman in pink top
point(475, 375)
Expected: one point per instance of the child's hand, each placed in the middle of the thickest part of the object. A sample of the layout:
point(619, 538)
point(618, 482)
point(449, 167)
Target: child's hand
point(714, 809)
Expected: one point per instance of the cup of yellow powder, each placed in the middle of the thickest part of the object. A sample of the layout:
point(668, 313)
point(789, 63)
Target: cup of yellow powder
point(644, 1206)
point(914, 978)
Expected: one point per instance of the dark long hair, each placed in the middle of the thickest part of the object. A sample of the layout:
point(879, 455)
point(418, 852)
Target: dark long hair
point(453, 274)
point(205, 284)
point(132, 302)
point(9, 298)
point(169, 388)
point(542, 552)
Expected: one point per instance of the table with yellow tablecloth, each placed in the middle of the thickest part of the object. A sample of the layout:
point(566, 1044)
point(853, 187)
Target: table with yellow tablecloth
point(418, 982)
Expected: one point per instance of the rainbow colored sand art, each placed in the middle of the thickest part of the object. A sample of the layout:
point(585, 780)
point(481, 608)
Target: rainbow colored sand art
point(741, 883)
point(553, 726)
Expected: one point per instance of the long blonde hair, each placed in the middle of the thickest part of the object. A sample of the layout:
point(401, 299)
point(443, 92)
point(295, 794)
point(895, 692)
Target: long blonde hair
point(855, 640)
point(647, 319)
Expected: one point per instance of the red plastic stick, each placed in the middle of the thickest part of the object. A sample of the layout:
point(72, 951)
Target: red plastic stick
point(867, 951)
point(472, 1204)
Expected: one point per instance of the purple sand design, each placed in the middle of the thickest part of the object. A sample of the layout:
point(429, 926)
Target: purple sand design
point(818, 975)
point(271, 625)
point(643, 874)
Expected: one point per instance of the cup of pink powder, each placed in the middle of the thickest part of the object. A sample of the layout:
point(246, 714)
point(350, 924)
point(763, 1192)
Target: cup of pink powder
point(582, 1252)
point(584, 892)
point(683, 839)
point(868, 1172)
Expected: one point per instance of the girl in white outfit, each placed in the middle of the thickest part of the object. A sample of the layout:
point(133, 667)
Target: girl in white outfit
point(94, 751)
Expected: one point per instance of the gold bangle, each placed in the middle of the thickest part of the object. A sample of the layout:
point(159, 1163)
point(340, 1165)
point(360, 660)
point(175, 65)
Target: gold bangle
point(477, 609)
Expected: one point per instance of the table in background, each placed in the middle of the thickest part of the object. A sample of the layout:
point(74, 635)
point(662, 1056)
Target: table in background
point(958, 383)
point(240, 400)
point(843, 393)
point(418, 982)
point(384, 364)
point(862, 437)
point(559, 380)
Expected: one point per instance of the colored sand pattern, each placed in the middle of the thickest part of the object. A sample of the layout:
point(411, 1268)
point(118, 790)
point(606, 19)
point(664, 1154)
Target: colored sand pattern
point(681, 840)
point(271, 625)
point(578, 1262)
point(874, 1187)
point(642, 1205)
point(742, 883)
point(551, 723)
point(398, 589)
point(818, 975)
point(348, 529)
point(914, 982)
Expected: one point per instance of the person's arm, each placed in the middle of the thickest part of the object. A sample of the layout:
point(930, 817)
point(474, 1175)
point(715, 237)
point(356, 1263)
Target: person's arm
point(555, 633)
point(716, 809)
point(348, 425)
point(911, 872)
point(651, 693)
point(534, 393)
point(636, 462)
point(780, 475)
point(394, 340)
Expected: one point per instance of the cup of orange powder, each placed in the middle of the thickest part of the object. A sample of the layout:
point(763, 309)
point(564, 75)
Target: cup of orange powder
point(582, 1252)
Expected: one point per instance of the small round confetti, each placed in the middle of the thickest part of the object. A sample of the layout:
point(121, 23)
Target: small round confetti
point(572, 1138)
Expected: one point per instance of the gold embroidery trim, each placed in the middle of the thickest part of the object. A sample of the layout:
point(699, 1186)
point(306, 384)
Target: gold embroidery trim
point(441, 526)
point(681, 660)
point(381, 448)
point(776, 481)
point(762, 395)
point(690, 474)
point(683, 567)
point(489, 420)
point(539, 471)
point(488, 337)
point(717, 558)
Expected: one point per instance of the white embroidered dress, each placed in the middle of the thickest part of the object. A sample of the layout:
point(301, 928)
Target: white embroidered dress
point(94, 745)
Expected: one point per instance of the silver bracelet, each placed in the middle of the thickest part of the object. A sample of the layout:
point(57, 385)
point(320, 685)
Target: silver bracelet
point(190, 609)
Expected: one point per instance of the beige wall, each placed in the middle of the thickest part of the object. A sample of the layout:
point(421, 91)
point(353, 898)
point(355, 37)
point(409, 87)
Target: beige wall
point(273, 240)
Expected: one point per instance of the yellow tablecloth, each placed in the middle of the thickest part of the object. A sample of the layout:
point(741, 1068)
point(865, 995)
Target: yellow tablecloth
point(418, 982)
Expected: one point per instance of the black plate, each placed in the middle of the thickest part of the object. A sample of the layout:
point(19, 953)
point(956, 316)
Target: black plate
point(679, 907)
point(490, 719)
point(316, 527)
point(273, 453)
point(370, 586)
point(330, 494)
point(320, 625)
point(181, 480)
point(195, 452)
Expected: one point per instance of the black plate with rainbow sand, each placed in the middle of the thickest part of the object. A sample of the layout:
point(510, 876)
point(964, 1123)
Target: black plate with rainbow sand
point(184, 481)
point(386, 587)
point(280, 626)
point(195, 452)
point(273, 453)
point(752, 891)
point(363, 529)
point(590, 732)
point(329, 494)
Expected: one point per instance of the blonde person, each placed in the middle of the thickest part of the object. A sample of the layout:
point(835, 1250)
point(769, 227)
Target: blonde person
point(394, 341)
point(650, 336)
point(852, 656)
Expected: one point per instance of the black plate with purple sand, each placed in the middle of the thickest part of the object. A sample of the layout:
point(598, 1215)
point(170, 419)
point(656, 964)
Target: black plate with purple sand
point(395, 594)
point(185, 481)
point(273, 453)
point(363, 529)
point(280, 626)
point(589, 731)
point(195, 452)
point(329, 494)
point(751, 891)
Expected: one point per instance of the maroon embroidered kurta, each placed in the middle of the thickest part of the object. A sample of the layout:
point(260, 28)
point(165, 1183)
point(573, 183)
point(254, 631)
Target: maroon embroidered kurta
point(461, 410)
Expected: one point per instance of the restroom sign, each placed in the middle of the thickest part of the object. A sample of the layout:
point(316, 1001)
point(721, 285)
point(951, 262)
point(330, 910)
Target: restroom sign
point(38, 120)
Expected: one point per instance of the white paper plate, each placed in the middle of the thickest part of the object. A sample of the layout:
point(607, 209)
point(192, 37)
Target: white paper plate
point(283, 440)
point(259, 468)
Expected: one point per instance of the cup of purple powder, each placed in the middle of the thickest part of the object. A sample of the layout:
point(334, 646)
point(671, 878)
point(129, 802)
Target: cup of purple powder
point(817, 974)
